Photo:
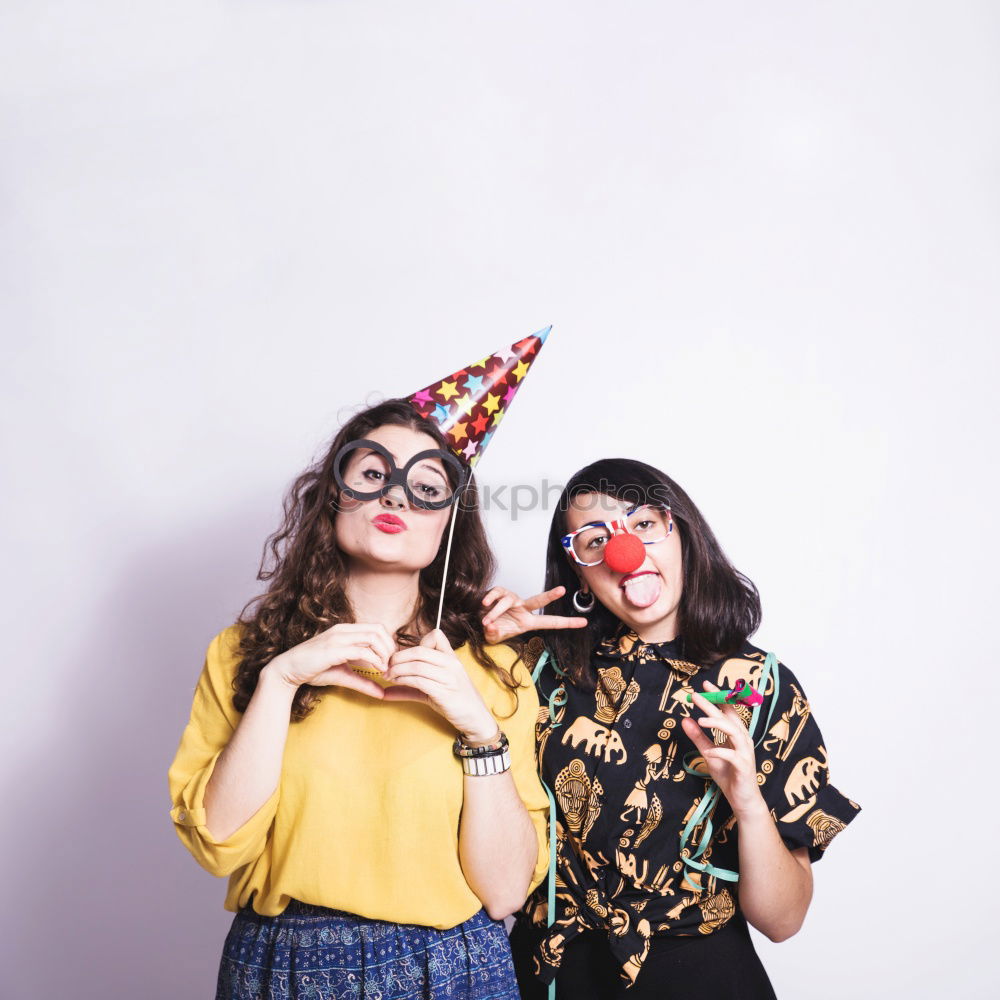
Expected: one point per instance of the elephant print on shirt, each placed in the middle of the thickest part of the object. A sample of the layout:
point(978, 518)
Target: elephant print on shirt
point(739, 669)
point(803, 782)
point(596, 740)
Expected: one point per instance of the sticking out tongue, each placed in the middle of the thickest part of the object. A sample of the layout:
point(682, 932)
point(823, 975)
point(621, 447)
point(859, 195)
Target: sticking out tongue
point(642, 591)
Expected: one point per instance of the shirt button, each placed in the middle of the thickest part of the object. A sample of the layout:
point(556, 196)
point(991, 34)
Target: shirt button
point(627, 723)
point(182, 815)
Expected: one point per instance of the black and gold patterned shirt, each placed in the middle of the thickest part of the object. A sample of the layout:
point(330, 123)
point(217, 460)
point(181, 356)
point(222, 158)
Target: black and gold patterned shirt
point(615, 760)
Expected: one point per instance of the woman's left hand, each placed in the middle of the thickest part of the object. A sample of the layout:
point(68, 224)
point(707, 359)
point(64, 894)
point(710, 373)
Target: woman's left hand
point(431, 673)
point(733, 765)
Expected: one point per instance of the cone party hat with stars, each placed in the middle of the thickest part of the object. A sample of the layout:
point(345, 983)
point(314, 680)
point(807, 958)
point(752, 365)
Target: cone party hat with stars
point(469, 404)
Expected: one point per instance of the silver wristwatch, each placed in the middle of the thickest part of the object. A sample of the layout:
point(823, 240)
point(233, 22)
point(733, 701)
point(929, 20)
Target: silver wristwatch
point(494, 764)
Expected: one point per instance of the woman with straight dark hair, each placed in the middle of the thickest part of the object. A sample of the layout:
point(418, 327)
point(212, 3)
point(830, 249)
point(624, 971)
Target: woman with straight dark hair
point(366, 780)
point(678, 820)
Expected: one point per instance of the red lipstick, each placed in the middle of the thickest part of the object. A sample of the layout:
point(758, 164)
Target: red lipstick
point(389, 523)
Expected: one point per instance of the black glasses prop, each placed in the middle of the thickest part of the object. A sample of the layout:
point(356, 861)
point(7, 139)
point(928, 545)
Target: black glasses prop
point(365, 470)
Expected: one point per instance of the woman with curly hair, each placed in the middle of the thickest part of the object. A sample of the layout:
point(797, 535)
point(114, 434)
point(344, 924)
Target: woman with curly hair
point(366, 780)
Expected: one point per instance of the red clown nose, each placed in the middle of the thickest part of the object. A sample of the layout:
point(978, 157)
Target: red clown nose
point(624, 554)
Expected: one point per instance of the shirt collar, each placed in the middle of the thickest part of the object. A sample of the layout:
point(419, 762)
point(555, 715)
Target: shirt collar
point(625, 645)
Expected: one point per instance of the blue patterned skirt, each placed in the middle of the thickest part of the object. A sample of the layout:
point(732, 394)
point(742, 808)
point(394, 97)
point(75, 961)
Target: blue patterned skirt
point(314, 953)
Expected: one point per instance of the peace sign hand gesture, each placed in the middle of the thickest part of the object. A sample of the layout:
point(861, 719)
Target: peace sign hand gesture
point(511, 616)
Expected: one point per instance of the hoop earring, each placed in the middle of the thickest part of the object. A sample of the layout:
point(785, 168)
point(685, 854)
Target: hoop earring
point(584, 609)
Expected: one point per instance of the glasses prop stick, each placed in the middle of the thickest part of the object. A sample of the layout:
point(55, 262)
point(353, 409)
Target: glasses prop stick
point(468, 405)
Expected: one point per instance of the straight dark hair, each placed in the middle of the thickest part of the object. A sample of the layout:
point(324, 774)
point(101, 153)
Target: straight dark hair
point(719, 608)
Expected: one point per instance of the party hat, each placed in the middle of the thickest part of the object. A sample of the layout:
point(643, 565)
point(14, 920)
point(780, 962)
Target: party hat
point(468, 404)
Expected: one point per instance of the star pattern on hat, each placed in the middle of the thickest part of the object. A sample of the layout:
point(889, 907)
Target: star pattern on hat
point(468, 405)
point(474, 384)
point(447, 390)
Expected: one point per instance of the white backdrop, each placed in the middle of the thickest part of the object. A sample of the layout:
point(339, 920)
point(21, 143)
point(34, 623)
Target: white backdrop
point(766, 235)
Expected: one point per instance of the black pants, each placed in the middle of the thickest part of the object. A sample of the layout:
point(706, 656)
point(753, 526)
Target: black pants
point(719, 966)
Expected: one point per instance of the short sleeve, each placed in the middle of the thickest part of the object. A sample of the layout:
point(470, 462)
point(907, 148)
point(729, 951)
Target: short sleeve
point(210, 727)
point(520, 731)
point(792, 760)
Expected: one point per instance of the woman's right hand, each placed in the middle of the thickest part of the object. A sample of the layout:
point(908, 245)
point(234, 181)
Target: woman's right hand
point(510, 615)
point(323, 660)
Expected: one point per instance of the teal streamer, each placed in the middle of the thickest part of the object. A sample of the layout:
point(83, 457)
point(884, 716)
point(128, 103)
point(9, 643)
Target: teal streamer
point(556, 700)
point(712, 791)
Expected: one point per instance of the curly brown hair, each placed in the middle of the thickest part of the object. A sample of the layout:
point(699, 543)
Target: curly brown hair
point(307, 571)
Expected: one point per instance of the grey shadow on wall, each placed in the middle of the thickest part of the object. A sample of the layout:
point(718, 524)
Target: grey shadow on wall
point(108, 901)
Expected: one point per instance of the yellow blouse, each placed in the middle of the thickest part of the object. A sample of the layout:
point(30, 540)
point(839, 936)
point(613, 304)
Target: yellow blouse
point(366, 815)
